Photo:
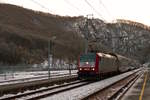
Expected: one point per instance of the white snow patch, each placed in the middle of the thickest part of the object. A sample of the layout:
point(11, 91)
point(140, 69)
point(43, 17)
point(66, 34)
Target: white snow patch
point(32, 76)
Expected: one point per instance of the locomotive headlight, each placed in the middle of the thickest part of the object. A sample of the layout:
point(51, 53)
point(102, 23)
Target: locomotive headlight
point(87, 63)
point(80, 69)
point(93, 68)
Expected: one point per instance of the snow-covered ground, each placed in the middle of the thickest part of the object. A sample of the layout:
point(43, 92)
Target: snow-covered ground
point(29, 91)
point(78, 93)
point(24, 76)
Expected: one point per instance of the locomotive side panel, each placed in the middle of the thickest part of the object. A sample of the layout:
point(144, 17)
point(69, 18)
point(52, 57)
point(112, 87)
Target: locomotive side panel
point(107, 65)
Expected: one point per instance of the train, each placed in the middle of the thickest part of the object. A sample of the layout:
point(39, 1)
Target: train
point(99, 65)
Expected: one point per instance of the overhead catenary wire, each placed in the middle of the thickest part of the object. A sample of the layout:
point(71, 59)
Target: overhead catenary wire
point(94, 9)
point(72, 5)
point(101, 3)
point(56, 42)
point(42, 6)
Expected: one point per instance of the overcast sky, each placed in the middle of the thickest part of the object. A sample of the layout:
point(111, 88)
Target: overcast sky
point(137, 10)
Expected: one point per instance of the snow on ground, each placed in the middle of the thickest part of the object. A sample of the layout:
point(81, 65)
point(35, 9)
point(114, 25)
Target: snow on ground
point(29, 91)
point(80, 92)
point(24, 76)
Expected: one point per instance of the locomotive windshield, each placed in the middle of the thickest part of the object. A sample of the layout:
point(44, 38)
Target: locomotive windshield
point(87, 60)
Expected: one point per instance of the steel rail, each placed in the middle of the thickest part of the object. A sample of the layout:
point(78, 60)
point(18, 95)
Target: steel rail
point(58, 91)
point(121, 92)
point(39, 91)
point(30, 85)
point(107, 87)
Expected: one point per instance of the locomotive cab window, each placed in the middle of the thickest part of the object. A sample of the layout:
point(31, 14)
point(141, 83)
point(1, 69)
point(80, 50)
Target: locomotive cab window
point(87, 60)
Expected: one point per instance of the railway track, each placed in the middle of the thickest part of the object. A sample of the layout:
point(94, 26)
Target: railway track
point(119, 93)
point(108, 91)
point(116, 90)
point(42, 93)
point(34, 84)
point(30, 79)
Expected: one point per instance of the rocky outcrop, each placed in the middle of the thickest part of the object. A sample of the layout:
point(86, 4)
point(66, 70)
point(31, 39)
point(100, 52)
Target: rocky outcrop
point(125, 37)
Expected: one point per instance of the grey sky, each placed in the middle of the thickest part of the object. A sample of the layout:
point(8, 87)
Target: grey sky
point(136, 10)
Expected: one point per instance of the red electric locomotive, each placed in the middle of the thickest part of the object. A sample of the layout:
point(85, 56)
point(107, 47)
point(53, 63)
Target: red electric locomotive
point(97, 65)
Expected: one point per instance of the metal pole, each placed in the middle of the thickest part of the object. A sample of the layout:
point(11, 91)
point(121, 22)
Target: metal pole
point(5, 76)
point(87, 32)
point(69, 69)
point(86, 46)
point(86, 35)
point(52, 55)
point(49, 43)
point(12, 74)
point(69, 66)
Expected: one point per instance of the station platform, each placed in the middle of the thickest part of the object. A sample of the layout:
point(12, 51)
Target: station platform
point(141, 89)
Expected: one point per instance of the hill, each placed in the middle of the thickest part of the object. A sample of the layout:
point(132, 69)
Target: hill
point(24, 36)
